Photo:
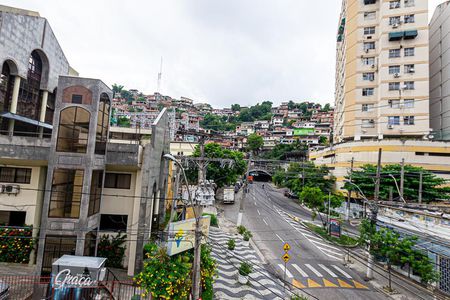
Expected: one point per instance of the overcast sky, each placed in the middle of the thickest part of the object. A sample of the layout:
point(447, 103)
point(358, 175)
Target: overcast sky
point(215, 51)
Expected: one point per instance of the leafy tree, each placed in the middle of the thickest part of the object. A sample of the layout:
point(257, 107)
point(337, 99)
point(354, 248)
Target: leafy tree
point(327, 107)
point(116, 89)
point(221, 174)
point(313, 197)
point(235, 107)
point(255, 142)
point(387, 245)
point(431, 187)
point(323, 140)
point(281, 151)
point(245, 115)
point(214, 122)
point(112, 248)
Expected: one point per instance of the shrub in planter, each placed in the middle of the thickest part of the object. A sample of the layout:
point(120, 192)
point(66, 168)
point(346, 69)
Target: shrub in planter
point(244, 270)
point(113, 249)
point(241, 229)
point(247, 236)
point(231, 244)
point(16, 244)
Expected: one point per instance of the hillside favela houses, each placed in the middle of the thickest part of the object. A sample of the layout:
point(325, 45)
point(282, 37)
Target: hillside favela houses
point(64, 172)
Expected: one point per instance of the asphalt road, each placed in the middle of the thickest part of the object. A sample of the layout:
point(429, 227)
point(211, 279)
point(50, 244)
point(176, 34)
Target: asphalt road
point(314, 266)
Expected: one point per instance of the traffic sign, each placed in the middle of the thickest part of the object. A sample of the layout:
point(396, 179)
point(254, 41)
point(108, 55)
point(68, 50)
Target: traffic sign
point(286, 247)
point(286, 257)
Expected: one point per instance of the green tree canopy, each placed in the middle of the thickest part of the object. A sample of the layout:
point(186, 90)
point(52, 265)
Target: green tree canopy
point(221, 174)
point(431, 186)
point(215, 122)
point(255, 142)
point(235, 107)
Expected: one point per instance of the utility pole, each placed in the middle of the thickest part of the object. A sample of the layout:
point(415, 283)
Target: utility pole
point(244, 192)
point(402, 178)
point(420, 186)
point(349, 196)
point(196, 280)
point(373, 214)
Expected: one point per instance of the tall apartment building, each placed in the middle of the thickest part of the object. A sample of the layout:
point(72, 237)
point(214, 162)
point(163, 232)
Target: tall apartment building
point(382, 78)
point(440, 72)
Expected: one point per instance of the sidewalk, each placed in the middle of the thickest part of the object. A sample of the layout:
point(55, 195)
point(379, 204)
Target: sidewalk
point(261, 284)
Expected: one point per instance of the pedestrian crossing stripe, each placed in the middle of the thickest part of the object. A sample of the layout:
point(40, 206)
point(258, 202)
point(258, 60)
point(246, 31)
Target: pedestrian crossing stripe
point(344, 284)
point(328, 283)
point(298, 284)
point(313, 284)
point(359, 285)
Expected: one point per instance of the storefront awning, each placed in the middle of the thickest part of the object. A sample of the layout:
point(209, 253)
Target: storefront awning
point(410, 34)
point(15, 117)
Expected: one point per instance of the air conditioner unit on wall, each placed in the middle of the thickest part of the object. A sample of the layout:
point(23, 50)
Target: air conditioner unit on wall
point(395, 25)
point(396, 75)
point(390, 126)
point(11, 189)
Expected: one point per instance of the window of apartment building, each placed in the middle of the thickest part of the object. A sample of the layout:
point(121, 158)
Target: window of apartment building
point(394, 86)
point(408, 120)
point(409, 85)
point(394, 69)
point(368, 91)
point(12, 218)
point(408, 103)
point(369, 76)
point(394, 4)
point(368, 61)
point(409, 51)
point(367, 123)
point(369, 30)
point(409, 68)
point(117, 181)
point(367, 2)
point(368, 46)
point(73, 130)
point(102, 125)
point(113, 222)
point(95, 194)
point(55, 247)
point(394, 20)
point(369, 15)
point(409, 3)
point(393, 53)
point(394, 120)
point(66, 192)
point(77, 99)
point(409, 19)
point(394, 103)
point(15, 175)
point(367, 107)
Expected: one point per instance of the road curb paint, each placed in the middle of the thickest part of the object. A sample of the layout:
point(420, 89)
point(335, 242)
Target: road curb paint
point(359, 285)
point(328, 283)
point(298, 284)
point(345, 284)
point(313, 284)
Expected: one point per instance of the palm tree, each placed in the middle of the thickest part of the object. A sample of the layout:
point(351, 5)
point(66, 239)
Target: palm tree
point(116, 89)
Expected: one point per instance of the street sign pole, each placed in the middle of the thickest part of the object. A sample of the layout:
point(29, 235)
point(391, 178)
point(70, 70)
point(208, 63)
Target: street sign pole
point(284, 278)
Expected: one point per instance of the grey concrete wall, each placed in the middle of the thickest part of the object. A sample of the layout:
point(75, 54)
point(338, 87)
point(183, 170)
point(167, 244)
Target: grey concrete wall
point(122, 154)
point(24, 148)
point(20, 35)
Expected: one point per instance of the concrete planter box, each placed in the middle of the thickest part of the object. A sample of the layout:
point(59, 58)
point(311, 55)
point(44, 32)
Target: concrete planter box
point(242, 279)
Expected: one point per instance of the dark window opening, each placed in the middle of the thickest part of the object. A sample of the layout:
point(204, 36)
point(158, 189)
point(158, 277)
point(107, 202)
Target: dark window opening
point(65, 198)
point(55, 247)
point(96, 192)
point(15, 175)
point(113, 222)
point(73, 130)
point(117, 181)
point(12, 218)
point(101, 135)
point(78, 99)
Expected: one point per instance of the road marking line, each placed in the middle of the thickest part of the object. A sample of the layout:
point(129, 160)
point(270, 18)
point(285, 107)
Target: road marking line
point(255, 204)
point(303, 273)
point(265, 222)
point(328, 283)
point(258, 211)
point(326, 245)
point(314, 270)
point(313, 284)
point(298, 284)
point(359, 285)
point(329, 251)
point(344, 284)
point(328, 270)
point(342, 272)
point(279, 237)
point(288, 274)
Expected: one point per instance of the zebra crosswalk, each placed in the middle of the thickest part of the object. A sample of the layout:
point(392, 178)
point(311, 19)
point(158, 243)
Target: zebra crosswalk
point(324, 247)
point(319, 276)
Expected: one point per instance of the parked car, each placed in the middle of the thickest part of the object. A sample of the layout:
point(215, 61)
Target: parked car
point(290, 194)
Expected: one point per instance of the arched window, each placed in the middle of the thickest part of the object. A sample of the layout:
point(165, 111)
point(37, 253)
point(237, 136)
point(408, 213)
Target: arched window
point(73, 131)
point(29, 102)
point(6, 87)
point(101, 136)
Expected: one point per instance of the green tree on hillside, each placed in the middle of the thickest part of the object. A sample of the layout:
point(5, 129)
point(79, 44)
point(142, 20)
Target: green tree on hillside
point(255, 142)
point(235, 107)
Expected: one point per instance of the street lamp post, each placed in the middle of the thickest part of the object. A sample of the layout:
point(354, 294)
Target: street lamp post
point(373, 219)
point(198, 234)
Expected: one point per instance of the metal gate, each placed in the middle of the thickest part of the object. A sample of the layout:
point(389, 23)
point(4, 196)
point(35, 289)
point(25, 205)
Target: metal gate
point(444, 270)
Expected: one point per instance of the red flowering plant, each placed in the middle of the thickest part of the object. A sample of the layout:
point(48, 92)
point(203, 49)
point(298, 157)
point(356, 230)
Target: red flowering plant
point(16, 244)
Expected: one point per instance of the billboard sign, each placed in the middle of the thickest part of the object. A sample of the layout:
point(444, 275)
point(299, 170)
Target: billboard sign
point(335, 227)
point(303, 131)
point(182, 234)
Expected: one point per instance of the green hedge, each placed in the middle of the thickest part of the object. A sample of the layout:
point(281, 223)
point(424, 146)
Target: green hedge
point(16, 244)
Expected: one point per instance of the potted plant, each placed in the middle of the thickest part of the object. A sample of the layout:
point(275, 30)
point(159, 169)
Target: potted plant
point(246, 236)
point(231, 244)
point(244, 270)
point(241, 229)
